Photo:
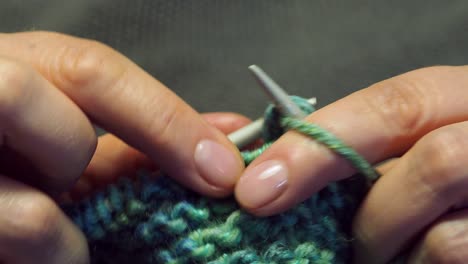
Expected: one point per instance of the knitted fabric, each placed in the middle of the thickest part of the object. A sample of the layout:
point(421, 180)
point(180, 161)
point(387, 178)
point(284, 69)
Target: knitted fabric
point(155, 220)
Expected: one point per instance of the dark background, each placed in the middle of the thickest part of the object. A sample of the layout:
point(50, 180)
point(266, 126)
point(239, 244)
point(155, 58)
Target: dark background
point(201, 49)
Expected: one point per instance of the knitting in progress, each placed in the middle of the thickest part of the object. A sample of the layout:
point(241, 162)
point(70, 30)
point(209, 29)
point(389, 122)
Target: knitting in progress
point(155, 220)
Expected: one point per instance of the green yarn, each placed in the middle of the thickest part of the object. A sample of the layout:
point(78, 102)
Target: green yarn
point(276, 125)
point(179, 226)
point(155, 220)
point(333, 143)
point(249, 156)
point(273, 128)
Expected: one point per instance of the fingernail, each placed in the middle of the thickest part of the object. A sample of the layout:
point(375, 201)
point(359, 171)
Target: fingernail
point(216, 164)
point(262, 184)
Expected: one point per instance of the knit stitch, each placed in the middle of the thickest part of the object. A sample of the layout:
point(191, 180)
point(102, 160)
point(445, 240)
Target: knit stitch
point(155, 220)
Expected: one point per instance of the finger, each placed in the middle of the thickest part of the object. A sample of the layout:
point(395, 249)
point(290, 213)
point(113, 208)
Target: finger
point(445, 242)
point(114, 158)
point(43, 126)
point(386, 166)
point(34, 230)
point(380, 122)
point(128, 102)
point(229, 123)
point(429, 180)
point(226, 122)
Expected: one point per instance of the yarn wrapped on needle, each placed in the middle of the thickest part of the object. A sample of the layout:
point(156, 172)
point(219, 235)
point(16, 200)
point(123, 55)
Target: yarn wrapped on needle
point(155, 220)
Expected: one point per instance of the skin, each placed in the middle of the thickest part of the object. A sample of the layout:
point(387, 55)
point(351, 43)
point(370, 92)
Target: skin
point(418, 117)
point(53, 88)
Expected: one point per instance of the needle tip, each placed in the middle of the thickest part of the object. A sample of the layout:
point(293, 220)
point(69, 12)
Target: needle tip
point(275, 92)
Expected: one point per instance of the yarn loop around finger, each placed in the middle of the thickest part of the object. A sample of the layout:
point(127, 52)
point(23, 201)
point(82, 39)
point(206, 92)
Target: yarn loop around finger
point(155, 220)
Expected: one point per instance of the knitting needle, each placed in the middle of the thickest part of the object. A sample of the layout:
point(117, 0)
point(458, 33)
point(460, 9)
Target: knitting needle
point(251, 132)
point(276, 93)
point(248, 134)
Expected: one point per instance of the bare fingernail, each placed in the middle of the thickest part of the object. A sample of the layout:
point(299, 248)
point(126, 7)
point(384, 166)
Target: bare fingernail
point(216, 164)
point(262, 184)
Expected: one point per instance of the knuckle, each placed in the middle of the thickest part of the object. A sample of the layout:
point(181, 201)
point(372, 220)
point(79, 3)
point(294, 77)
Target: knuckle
point(36, 220)
point(446, 244)
point(400, 103)
point(164, 126)
point(14, 82)
point(90, 64)
point(440, 152)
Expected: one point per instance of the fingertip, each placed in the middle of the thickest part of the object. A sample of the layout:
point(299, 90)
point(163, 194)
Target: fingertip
point(262, 184)
point(287, 173)
point(218, 165)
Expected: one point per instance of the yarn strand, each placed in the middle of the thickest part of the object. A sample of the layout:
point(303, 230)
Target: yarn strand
point(155, 220)
point(333, 143)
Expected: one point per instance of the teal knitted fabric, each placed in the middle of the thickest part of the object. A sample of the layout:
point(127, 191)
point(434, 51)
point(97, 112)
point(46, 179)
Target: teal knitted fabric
point(155, 220)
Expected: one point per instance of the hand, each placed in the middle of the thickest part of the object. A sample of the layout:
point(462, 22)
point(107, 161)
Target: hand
point(113, 158)
point(52, 88)
point(420, 198)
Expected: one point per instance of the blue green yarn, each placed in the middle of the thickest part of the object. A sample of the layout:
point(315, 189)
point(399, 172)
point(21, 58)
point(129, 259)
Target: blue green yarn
point(333, 143)
point(250, 156)
point(155, 220)
point(276, 125)
point(182, 227)
point(273, 128)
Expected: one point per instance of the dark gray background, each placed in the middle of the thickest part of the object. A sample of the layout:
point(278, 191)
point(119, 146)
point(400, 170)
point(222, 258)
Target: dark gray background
point(201, 48)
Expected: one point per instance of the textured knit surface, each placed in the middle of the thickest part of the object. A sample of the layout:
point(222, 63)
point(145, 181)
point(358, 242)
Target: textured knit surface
point(157, 221)
point(200, 48)
point(154, 220)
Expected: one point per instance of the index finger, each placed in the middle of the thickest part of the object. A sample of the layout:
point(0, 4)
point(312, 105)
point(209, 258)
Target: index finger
point(125, 100)
point(380, 122)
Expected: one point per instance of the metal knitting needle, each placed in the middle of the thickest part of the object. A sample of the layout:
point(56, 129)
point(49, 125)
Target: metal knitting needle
point(276, 93)
point(248, 134)
point(251, 132)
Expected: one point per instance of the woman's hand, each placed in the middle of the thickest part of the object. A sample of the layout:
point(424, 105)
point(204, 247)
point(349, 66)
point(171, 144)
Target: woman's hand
point(420, 117)
point(52, 88)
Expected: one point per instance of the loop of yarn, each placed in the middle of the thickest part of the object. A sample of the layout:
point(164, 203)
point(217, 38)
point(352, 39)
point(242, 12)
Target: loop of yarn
point(155, 220)
point(276, 125)
point(272, 128)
